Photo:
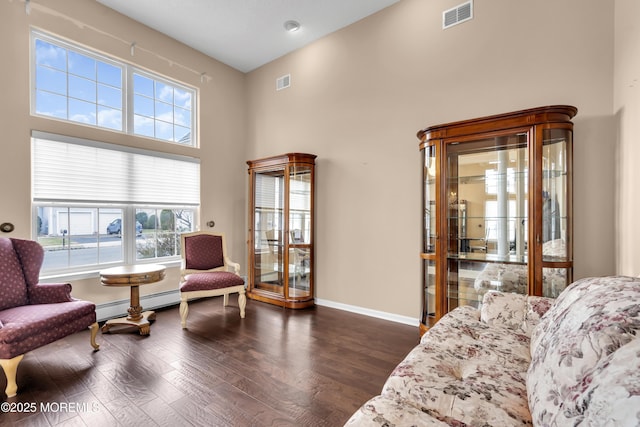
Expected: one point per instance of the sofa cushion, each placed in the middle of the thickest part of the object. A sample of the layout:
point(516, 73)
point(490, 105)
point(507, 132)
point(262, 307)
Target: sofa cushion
point(383, 412)
point(13, 288)
point(590, 321)
point(509, 312)
point(466, 372)
point(514, 311)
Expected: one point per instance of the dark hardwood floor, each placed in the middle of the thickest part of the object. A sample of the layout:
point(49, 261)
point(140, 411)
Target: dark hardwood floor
point(276, 367)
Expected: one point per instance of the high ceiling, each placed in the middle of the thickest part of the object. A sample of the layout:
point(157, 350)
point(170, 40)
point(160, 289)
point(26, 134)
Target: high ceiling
point(246, 34)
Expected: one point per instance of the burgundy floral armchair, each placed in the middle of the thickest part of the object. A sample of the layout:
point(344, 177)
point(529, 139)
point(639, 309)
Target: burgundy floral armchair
point(208, 271)
point(34, 314)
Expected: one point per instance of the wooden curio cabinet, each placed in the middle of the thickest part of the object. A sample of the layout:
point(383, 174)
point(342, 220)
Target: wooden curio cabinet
point(497, 208)
point(281, 230)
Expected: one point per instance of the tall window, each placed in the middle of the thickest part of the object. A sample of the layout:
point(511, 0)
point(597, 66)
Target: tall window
point(74, 84)
point(98, 204)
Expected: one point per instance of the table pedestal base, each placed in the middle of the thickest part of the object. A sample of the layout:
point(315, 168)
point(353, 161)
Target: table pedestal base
point(143, 323)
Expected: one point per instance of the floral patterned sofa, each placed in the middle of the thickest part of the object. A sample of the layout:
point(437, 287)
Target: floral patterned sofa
point(522, 360)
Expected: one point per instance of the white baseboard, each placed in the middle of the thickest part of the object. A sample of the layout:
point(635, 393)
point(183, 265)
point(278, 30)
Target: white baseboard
point(369, 312)
point(119, 308)
point(115, 309)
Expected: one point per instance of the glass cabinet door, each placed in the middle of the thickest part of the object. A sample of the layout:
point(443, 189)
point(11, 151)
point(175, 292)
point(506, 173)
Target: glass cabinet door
point(487, 219)
point(300, 226)
point(555, 212)
point(268, 230)
point(429, 233)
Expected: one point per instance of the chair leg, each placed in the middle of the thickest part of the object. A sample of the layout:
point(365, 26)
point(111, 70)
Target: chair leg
point(10, 367)
point(184, 311)
point(94, 333)
point(225, 300)
point(242, 302)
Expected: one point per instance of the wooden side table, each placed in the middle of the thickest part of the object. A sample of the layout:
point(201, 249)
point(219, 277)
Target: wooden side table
point(133, 276)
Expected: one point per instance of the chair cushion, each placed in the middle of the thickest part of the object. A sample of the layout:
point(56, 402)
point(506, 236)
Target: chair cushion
point(203, 252)
point(210, 280)
point(13, 288)
point(31, 326)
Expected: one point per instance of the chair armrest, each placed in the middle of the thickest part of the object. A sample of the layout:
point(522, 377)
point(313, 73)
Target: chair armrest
point(50, 293)
point(234, 265)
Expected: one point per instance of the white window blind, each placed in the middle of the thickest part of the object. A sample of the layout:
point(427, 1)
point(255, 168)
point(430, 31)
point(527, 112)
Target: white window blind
point(76, 170)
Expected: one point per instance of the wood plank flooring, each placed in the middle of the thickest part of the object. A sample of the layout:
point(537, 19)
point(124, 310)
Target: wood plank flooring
point(276, 367)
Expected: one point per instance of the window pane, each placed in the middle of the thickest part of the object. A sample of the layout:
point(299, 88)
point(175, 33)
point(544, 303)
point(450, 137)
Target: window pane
point(76, 236)
point(164, 112)
point(110, 118)
point(82, 65)
point(73, 76)
point(182, 98)
point(164, 131)
point(182, 117)
point(164, 92)
point(142, 85)
point(51, 55)
point(143, 106)
point(161, 235)
point(82, 112)
point(51, 80)
point(109, 96)
point(52, 105)
point(143, 125)
point(109, 74)
point(82, 89)
point(183, 135)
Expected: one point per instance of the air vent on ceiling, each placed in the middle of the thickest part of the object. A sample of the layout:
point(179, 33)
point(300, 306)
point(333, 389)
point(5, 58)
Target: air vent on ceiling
point(457, 15)
point(283, 82)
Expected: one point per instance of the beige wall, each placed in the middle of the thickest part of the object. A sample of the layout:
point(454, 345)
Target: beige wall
point(627, 110)
point(357, 99)
point(222, 126)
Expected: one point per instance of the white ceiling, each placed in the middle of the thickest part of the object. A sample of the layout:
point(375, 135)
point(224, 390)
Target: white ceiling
point(246, 34)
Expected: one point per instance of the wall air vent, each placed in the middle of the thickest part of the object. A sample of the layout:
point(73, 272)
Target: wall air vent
point(457, 15)
point(283, 82)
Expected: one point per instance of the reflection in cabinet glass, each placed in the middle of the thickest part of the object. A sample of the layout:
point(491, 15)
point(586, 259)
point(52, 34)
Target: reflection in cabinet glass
point(281, 238)
point(497, 208)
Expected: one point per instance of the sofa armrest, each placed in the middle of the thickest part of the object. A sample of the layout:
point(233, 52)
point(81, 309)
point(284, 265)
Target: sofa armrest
point(50, 293)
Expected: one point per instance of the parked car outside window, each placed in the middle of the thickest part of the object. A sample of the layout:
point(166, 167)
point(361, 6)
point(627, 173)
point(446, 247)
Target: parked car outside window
point(115, 227)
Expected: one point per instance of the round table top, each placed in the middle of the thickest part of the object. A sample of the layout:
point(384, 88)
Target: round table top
point(132, 275)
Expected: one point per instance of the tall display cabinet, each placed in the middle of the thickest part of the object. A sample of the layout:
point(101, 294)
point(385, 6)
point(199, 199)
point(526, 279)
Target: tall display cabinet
point(281, 230)
point(497, 208)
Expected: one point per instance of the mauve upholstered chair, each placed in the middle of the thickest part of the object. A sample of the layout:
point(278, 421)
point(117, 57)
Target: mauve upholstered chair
point(34, 314)
point(207, 271)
